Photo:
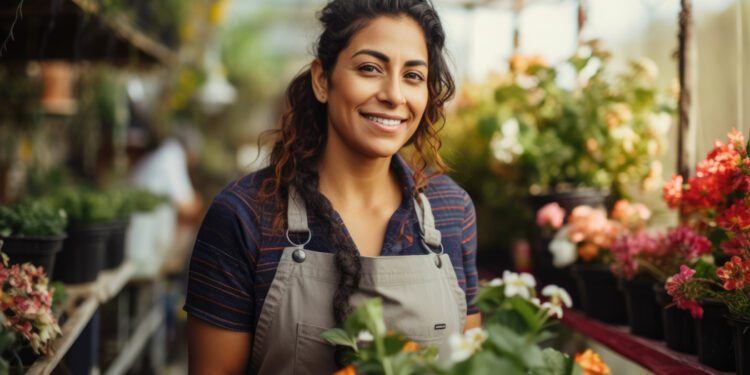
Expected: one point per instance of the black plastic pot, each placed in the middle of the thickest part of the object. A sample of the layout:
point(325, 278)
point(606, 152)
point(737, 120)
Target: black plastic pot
point(82, 256)
point(541, 258)
point(644, 313)
point(679, 328)
point(37, 250)
point(115, 253)
point(741, 331)
point(600, 297)
point(715, 346)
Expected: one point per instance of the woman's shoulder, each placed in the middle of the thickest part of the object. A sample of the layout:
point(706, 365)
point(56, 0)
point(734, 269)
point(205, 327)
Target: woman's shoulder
point(442, 190)
point(243, 194)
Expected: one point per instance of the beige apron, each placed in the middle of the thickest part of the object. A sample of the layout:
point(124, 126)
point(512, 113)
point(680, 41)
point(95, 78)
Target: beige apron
point(420, 293)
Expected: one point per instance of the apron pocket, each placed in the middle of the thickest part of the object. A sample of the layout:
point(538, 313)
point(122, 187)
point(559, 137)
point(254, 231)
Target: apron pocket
point(313, 354)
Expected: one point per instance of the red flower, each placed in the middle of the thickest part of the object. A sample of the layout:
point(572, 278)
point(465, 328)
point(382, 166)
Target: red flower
point(673, 191)
point(735, 218)
point(735, 273)
point(739, 244)
point(703, 192)
point(691, 244)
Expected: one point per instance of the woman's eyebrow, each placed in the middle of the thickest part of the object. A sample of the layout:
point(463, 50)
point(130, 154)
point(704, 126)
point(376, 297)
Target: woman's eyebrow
point(382, 57)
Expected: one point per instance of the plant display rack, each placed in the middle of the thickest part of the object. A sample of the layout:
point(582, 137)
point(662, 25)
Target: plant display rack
point(650, 354)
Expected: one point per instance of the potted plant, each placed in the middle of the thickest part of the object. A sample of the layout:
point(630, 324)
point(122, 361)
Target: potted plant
point(716, 202)
point(27, 323)
point(643, 261)
point(32, 231)
point(91, 214)
point(585, 244)
point(515, 323)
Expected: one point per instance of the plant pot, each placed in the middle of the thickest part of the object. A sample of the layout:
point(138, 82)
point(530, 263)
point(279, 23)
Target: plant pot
point(541, 258)
point(82, 256)
point(714, 334)
point(679, 327)
point(37, 250)
point(741, 332)
point(115, 252)
point(644, 313)
point(600, 297)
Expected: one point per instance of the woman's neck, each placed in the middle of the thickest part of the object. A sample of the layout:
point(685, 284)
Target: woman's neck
point(357, 182)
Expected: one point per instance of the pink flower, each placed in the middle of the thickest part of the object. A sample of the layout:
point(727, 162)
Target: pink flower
point(677, 287)
point(627, 249)
point(691, 244)
point(550, 215)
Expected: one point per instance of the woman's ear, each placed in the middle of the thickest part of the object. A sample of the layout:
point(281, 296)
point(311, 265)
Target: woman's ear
point(319, 81)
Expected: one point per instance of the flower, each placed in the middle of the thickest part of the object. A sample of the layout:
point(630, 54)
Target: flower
point(551, 215)
point(678, 286)
point(466, 344)
point(592, 363)
point(365, 336)
point(735, 273)
point(737, 244)
point(735, 218)
point(518, 284)
point(496, 282)
point(348, 370)
point(410, 347)
point(557, 295)
point(673, 191)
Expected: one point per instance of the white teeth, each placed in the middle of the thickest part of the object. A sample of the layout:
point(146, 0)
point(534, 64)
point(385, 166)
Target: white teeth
point(384, 121)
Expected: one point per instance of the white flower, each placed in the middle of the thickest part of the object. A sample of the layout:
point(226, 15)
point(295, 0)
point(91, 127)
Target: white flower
point(518, 284)
point(536, 302)
point(557, 295)
point(505, 145)
point(649, 67)
point(365, 336)
point(659, 123)
point(463, 346)
point(496, 282)
point(552, 309)
point(562, 249)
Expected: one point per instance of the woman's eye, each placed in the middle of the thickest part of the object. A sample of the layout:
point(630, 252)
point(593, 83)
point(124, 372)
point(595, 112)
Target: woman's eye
point(414, 76)
point(368, 68)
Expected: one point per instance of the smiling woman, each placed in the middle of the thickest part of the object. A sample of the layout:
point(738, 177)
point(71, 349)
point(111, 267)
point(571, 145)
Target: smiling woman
point(339, 216)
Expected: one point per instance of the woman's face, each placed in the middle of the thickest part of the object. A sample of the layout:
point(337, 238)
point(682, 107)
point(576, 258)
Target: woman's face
point(377, 92)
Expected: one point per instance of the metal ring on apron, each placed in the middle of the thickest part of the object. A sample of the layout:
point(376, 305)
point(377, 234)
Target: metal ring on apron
point(299, 255)
point(438, 261)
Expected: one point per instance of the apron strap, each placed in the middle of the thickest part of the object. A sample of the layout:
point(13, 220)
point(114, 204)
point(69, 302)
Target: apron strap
point(296, 215)
point(430, 235)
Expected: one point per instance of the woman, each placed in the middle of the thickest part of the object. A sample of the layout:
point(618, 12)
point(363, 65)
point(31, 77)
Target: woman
point(339, 216)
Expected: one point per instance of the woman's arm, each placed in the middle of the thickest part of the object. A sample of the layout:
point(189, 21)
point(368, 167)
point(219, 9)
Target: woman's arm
point(473, 321)
point(214, 350)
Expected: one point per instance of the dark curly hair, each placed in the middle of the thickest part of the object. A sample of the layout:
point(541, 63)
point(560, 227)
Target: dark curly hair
point(302, 136)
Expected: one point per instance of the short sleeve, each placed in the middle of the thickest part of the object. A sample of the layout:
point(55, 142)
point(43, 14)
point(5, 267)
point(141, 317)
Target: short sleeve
point(469, 253)
point(221, 277)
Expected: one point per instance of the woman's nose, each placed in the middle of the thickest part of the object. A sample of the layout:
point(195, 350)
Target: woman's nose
point(391, 92)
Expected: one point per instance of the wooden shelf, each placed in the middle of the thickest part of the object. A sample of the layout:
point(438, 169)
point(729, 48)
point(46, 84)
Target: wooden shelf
point(82, 302)
point(76, 30)
point(651, 354)
point(134, 346)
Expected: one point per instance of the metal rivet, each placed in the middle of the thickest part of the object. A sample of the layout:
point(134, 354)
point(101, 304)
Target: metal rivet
point(438, 261)
point(299, 255)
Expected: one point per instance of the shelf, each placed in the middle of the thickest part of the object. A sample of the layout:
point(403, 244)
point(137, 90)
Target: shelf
point(651, 354)
point(147, 327)
point(82, 302)
point(75, 30)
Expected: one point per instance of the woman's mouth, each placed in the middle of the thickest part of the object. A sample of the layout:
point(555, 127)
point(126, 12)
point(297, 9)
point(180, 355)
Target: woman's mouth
point(386, 124)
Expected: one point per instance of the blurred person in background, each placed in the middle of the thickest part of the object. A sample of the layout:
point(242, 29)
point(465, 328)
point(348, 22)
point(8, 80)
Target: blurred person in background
point(340, 216)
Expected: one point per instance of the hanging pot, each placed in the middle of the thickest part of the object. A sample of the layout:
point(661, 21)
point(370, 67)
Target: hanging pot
point(679, 328)
point(600, 297)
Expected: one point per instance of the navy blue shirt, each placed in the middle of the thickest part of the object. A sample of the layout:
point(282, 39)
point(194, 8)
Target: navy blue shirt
point(236, 252)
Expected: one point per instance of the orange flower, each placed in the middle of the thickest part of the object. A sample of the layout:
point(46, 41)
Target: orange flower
point(410, 346)
point(592, 364)
point(348, 370)
point(588, 251)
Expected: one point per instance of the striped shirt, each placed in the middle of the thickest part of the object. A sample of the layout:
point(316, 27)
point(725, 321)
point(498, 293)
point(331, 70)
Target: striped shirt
point(236, 252)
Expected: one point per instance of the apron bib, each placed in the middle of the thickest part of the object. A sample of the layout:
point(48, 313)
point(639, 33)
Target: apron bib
point(420, 293)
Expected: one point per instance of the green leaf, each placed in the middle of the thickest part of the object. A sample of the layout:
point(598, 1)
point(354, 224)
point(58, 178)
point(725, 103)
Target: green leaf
point(338, 336)
point(527, 311)
point(554, 363)
point(486, 363)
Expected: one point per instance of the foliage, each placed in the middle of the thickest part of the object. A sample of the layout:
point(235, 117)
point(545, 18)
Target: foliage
point(715, 202)
point(85, 205)
point(26, 302)
point(515, 323)
point(32, 218)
